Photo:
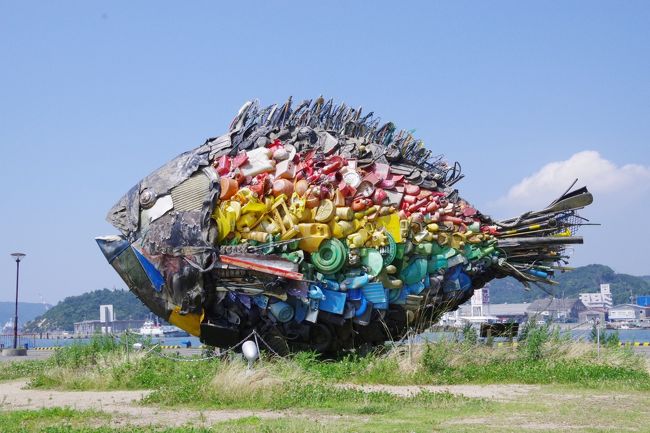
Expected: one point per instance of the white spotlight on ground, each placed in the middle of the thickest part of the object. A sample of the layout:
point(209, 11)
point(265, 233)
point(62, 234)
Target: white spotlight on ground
point(251, 352)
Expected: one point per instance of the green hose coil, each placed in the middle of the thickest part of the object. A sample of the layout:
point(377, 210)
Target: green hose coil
point(330, 257)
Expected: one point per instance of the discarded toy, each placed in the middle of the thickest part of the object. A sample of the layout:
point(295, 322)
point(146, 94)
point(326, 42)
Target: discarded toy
point(320, 229)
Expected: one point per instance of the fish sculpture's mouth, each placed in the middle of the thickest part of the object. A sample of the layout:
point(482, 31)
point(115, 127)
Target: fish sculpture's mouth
point(320, 229)
point(124, 259)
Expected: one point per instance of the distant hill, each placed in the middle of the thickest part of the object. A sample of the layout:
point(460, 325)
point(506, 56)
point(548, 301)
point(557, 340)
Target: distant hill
point(126, 306)
point(86, 307)
point(582, 279)
point(26, 311)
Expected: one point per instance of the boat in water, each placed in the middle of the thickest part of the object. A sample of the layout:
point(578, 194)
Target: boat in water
point(151, 329)
point(174, 331)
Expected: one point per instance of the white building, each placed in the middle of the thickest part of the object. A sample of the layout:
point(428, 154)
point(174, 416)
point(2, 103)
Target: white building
point(480, 302)
point(510, 312)
point(106, 318)
point(627, 313)
point(477, 310)
point(602, 299)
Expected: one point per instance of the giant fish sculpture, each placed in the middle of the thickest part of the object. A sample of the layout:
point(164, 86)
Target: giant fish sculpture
point(321, 229)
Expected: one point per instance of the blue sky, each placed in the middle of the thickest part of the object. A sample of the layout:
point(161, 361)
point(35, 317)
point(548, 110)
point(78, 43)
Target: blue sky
point(96, 95)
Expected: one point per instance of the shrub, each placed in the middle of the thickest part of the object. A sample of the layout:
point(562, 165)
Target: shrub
point(533, 339)
point(435, 358)
point(470, 335)
point(612, 339)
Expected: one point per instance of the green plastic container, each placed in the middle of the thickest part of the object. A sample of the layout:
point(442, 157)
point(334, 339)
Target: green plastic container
point(372, 260)
point(415, 271)
point(330, 257)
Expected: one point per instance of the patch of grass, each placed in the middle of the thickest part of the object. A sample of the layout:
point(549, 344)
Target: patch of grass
point(282, 386)
point(541, 359)
point(18, 369)
point(72, 421)
point(538, 361)
point(51, 420)
point(113, 370)
point(101, 349)
point(542, 372)
point(556, 408)
point(417, 416)
point(279, 384)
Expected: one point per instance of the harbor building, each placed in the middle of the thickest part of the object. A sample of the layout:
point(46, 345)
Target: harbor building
point(556, 310)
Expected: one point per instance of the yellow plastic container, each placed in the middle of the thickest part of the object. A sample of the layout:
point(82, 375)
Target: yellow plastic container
point(443, 238)
point(257, 236)
point(325, 212)
point(254, 206)
point(297, 208)
point(341, 229)
point(344, 213)
point(268, 225)
point(457, 241)
point(378, 239)
point(392, 225)
point(226, 216)
point(247, 222)
point(313, 234)
point(358, 239)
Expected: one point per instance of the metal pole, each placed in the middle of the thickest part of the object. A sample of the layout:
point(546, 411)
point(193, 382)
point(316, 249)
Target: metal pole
point(16, 310)
point(598, 335)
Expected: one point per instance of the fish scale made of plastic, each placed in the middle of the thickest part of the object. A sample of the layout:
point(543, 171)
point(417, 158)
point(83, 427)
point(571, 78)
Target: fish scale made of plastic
point(322, 229)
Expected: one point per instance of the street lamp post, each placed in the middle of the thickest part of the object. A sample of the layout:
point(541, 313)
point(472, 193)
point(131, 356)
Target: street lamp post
point(18, 257)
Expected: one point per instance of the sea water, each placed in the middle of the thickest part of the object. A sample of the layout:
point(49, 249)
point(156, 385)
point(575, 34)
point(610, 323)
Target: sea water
point(584, 334)
point(624, 335)
point(34, 342)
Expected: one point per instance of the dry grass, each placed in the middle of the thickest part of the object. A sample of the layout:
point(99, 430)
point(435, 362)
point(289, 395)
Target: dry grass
point(98, 375)
point(235, 382)
point(409, 359)
point(614, 357)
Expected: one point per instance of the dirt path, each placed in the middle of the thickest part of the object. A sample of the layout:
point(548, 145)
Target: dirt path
point(492, 392)
point(121, 404)
point(125, 410)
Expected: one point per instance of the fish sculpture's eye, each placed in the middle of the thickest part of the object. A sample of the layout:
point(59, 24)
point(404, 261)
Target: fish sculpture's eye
point(147, 198)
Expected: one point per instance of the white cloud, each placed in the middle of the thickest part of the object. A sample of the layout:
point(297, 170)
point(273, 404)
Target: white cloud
point(601, 176)
point(621, 199)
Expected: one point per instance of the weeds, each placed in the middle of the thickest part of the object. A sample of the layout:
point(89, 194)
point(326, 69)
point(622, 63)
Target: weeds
point(306, 384)
point(543, 356)
point(470, 336)
point(51, 420)
point(533, 340)
point(15, 370)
